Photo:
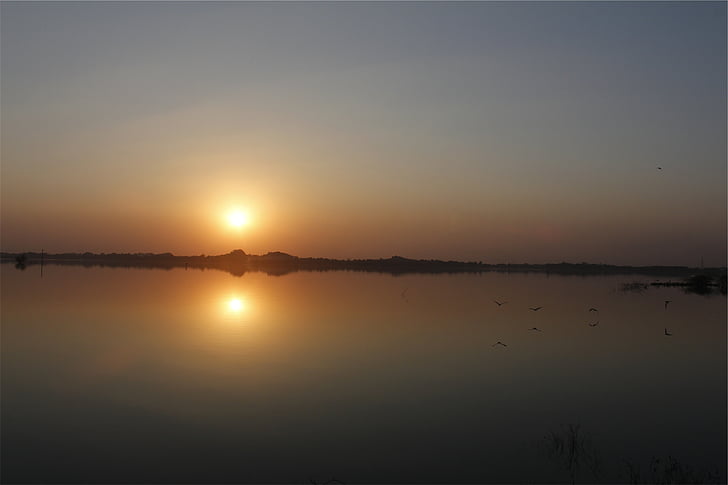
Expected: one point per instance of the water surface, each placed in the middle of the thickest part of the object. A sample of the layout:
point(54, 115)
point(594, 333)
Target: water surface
point(131, 375)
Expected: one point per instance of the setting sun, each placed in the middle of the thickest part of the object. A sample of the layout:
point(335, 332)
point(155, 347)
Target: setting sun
point(238, 219)
point(235, 305)
point(241, 239)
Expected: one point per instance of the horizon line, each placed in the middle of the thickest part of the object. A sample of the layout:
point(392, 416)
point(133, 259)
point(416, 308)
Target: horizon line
point(231, 252)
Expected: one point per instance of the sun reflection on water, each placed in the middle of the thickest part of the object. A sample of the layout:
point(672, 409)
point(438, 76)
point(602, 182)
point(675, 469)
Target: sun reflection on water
point(235, 307)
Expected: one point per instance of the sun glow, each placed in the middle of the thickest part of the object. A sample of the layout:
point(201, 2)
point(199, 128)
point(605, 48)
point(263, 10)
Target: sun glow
point(238, 218)
point(236, 305)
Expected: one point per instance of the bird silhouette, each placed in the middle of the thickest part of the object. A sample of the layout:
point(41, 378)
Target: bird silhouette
point(668, 333)
point(666, 303)
point(659, 168)
point(593, 324)
point(536, 329)
point(499, 343)
point(593, 310)
point(535, 309)
point(499, 303)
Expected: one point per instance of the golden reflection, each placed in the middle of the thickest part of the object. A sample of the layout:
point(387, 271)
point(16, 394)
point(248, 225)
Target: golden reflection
point(235, 307)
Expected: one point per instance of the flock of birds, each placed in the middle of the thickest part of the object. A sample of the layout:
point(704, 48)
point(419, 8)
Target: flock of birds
point(536, 329)
point(537, 308)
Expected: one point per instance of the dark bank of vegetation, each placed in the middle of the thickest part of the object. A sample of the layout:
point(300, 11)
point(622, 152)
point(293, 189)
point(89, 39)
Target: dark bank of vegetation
point(573, 451)
point(704, 283)
point(238, 262)
point(669, 470)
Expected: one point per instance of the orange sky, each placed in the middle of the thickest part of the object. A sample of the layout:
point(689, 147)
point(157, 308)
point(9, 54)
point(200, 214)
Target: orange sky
point(521, 133)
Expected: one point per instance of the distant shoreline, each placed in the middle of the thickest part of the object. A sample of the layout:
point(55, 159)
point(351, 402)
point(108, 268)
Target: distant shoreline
point(238, 262)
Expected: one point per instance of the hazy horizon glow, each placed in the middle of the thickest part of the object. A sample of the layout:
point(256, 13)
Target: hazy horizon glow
point(500, 132)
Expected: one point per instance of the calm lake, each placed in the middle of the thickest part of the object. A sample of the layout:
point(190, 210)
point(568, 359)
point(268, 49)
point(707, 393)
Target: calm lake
point(133, 375)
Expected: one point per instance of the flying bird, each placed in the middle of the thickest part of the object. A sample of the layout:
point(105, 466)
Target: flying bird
point(668, 333)
point(593, 310)
point(536, 329)
point(593, 324)
point(666, 303)
point(535, 309)
point(499, 343)
point(659, 168)
point(499, 303)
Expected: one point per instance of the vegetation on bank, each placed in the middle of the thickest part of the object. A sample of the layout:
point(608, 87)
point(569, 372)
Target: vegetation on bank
point(238, 262)
point(573, 451)
point(703, 283)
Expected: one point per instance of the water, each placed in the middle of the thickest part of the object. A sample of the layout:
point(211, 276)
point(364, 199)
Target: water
point(131, 375)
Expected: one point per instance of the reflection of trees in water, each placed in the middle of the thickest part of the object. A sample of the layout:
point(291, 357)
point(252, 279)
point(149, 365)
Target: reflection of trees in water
point(705, 285)
point(573, 450)
point(666, 471)
point(635, 287)
point(700, 284)
point(20, 261)
point(238, 262)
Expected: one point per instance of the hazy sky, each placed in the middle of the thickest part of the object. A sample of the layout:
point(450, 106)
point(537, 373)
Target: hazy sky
point(521, 132)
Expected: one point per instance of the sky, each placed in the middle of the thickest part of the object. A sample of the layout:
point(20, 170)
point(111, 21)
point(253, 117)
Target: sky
point(479, 131)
